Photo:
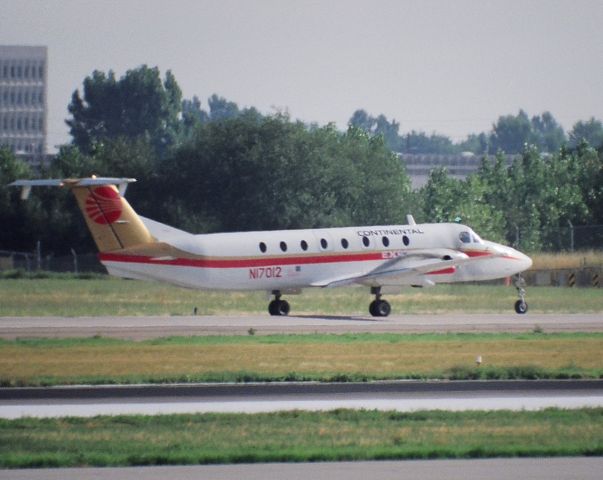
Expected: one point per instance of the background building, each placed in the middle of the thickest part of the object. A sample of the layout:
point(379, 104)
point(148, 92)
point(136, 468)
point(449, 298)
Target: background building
point(458, 166)
point(23, 87)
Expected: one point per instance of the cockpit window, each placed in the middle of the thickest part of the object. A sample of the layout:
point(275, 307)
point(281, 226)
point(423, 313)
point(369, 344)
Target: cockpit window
point(465, 237)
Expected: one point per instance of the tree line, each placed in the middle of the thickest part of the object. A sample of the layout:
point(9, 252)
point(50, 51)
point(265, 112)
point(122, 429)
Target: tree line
point(509, 134)
point(230, 169)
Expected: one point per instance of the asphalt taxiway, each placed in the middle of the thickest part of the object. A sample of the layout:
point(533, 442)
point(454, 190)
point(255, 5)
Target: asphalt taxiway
point(144, 327)
point(87, 401)
point(492, 468)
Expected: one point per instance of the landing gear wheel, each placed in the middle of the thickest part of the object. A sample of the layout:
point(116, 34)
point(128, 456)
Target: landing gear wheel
point(378, 307)
point(383, 308)
point(521, 307)
point(283, 308)
point(278, 307)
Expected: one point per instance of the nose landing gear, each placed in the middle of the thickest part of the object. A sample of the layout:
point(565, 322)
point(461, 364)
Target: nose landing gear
point(379, 307)
point(521, 305)
point(278, 307)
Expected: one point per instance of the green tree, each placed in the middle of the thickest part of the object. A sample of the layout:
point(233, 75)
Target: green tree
point(249, 173)
point(421, 143)
point(377, 126)
point(19, 219)
point(446, 199)
point(139, 104)
point(547, 133)
point(591, 131)
point(511, 133)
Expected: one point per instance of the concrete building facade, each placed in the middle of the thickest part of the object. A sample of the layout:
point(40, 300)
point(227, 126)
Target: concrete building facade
point(23, 101)
point(459, 166)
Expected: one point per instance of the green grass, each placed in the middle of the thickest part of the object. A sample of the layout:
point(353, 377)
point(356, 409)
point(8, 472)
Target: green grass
point(64, 295)
point(297, 437)
point(351, 357)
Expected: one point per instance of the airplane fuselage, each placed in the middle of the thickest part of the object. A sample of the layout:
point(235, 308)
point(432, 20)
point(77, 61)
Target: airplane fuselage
point(294, 259)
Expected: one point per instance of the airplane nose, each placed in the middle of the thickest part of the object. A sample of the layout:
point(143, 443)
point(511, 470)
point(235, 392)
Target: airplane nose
point(525, 262)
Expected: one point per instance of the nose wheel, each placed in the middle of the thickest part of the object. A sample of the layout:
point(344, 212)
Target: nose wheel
point(379, 307)
point(521, 305)
point(278, 307)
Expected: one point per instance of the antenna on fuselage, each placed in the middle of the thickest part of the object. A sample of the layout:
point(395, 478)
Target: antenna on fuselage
point(410, 220)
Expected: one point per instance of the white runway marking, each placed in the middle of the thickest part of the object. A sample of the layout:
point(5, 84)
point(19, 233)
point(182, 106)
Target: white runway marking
point(262, 406)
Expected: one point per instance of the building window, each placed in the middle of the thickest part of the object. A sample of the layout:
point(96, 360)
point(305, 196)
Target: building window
point(41, 71)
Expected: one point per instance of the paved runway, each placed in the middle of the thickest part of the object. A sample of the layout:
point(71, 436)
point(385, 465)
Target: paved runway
point(493, 469)
point(89, 401)
point(151, 327)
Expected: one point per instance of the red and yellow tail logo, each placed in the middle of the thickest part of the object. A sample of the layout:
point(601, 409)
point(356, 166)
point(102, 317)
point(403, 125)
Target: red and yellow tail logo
point(103, 205)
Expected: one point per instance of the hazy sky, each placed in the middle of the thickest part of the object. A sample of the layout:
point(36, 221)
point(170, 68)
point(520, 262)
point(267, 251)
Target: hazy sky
point(447, 66)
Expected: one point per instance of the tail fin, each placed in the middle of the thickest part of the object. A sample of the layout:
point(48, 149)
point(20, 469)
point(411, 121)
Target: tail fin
point(113, 223)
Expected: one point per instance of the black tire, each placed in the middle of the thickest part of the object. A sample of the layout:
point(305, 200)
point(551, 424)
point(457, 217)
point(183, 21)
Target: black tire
point(283, 308)
point(272, 308)
point(521, 307)
point(373, 308)
point(383, 308)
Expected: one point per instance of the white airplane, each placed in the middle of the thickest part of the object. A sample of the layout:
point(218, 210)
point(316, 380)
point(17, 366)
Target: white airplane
point(285, 261)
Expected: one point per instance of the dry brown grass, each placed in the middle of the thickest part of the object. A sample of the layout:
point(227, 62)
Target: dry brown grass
point(24, 363)
point(588, 258)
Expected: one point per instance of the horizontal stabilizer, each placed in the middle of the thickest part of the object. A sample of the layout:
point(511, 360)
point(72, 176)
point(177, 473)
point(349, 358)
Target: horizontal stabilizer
point(121, 183)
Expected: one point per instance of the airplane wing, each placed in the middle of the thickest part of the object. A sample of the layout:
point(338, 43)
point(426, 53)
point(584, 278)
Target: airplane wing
point(402, 268)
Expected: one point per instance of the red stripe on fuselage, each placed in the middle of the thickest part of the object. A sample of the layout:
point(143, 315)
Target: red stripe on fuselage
point(476, 253)
point(444, 271)
point(240, 262)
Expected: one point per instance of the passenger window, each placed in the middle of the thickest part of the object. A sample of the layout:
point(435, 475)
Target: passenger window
point(406, 240)
point(465, 237)
point(283, 246)
point(304, 245)
point(365, 241)
point(323, 243)
point(344, 243)
point(385, 241)
point(262, 247)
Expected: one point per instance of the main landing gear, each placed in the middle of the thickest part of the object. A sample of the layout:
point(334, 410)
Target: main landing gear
point(278, 307)
point(379, 307)
point(521, 305)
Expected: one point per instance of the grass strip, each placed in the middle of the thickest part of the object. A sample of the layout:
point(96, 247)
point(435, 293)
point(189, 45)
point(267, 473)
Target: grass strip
point(297, 437)
point(350, 357)
point(67, 296)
